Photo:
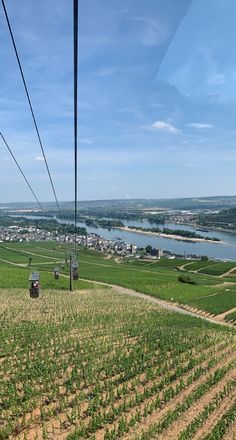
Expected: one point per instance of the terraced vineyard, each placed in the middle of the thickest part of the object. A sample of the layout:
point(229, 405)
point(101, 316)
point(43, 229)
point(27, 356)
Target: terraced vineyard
point(210, 267)
point(217, 303)
point(218, 268)
point(97, 364)
point(209, 293)
point(198, 265)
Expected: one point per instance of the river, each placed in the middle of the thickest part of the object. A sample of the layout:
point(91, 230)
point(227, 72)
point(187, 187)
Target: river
point(224, 250)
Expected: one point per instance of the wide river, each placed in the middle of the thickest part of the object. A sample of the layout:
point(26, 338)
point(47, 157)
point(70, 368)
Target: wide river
point(224, 250)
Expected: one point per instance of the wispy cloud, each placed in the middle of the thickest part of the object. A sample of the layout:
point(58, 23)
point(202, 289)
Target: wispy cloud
point(154, 32)
point(214, 74)
point(164, 126)
point(216, 79)
point(192, 164)
point(199, 125)
point(132, 111)
point(114, 158)
point(86, 141)
point(106, 71)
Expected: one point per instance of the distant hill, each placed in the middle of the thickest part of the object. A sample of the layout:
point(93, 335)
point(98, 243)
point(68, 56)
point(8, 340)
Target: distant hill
point(225, 219)
point(216, 202)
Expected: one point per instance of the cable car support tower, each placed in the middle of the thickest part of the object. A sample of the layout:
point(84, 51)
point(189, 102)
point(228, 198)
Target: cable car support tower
point(73, 262)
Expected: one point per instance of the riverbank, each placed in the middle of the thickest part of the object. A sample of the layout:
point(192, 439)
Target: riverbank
point(170, 236)
point(210, 228)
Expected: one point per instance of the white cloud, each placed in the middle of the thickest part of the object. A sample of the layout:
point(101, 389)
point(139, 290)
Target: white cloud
point(191, 164)
point(86, 141)
point(164, 126)
point(154, 33)
point(39, 158)
point(112, 158)
point(106, 71)
point(216, 79)
point(199, 125)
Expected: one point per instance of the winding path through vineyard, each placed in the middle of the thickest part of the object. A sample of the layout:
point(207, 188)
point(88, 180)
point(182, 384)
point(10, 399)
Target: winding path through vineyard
point(165, 304)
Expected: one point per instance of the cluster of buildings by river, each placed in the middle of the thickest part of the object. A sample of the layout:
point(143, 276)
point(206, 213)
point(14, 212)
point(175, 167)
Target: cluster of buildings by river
point(91, 240)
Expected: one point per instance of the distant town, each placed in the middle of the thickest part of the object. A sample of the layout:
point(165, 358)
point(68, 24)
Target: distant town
point(17, 233)
point(191, 221)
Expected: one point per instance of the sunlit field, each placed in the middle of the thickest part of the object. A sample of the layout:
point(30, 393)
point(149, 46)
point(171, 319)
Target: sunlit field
point(213, 293)
point(98, 364)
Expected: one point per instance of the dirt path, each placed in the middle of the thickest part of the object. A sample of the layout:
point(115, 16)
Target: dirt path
point(26, 265)
point(50, 250)
point(225, 284)
point(108, 257)
point(215, 293)
point(10, 262)
point(202, 268)
point(184, 265)
point(32, 253)
point(49, 262)
point(222, 316)
point(228, 272)
point(162, 303)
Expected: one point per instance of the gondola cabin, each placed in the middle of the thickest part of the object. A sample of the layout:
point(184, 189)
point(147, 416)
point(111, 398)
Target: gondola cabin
point(34, 285)
point(56, 273)
point(75, 270)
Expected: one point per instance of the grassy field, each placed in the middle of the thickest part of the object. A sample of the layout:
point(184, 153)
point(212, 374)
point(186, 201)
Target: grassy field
point(100, 365)
point(156, 278)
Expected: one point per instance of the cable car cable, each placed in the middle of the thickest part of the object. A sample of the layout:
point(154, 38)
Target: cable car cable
point(22, 173)
point(30, 104)
point(11, 250)
point(22, 254)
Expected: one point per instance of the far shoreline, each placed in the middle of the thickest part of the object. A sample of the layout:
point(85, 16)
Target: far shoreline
point(171, 236)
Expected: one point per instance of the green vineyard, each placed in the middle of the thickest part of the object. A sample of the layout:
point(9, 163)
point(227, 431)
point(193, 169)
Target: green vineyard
point(97, 364)
point(100, 363)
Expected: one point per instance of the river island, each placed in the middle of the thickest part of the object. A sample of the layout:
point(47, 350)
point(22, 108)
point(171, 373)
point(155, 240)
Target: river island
point(194, 239)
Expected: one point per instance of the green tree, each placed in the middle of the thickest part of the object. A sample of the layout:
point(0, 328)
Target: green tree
point(148, 249)
point(204, 258)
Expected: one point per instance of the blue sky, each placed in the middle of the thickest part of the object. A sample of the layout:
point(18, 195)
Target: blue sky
point(157, 98)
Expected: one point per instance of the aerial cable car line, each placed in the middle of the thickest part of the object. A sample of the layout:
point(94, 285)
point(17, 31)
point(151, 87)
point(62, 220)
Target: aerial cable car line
point(17, 253)
point(30, 105)
point(73, 263)
point(26, 255)
point(22, 173)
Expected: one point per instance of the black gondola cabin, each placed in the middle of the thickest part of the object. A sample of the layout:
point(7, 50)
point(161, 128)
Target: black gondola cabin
point(56, 273)
point(75, 270)
point(34, 285)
